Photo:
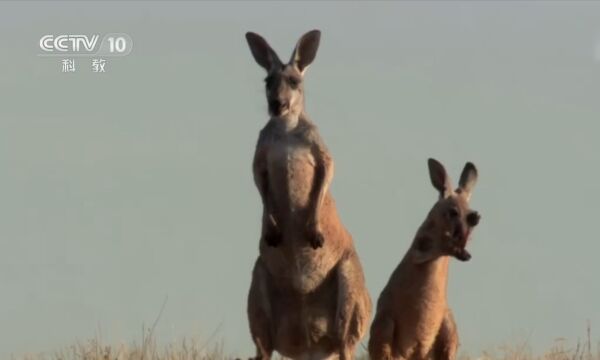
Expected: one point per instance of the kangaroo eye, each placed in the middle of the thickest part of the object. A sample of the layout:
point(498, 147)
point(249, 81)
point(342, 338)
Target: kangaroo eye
point(452, 213)
point(473, 218)
point(293, 82)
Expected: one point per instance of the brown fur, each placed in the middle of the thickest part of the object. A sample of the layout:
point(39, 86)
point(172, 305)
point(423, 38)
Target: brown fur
point(308, 298)
point(413, 320)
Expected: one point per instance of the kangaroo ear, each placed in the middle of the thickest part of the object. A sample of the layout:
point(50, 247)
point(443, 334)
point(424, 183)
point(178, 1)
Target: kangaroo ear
point(306, 50)
point(468, 179)
point(261, 51)
point(439, 177)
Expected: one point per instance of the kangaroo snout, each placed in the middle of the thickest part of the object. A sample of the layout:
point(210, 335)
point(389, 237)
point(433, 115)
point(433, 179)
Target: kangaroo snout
point(462, 254)
point(277, 107)
point(457, 242)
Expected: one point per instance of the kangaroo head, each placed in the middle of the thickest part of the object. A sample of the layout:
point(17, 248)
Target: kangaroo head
point(284, 82)
point(450, 222)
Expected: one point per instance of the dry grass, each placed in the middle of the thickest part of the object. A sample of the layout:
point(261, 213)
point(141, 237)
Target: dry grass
point(196, 350)
point(559, 351)
point(147, 350)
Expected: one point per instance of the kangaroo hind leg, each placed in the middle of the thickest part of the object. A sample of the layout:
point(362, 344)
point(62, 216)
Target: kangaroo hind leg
point(381, 338)
point(353, 306)
point(259, 312)
point(446, 342)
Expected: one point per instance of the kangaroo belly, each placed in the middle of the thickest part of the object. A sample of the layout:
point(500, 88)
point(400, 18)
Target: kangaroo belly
point(295, 263)
point(306, 337)
point(306, 323)
point(291, 175)
point(417, 331)
point(302, 268)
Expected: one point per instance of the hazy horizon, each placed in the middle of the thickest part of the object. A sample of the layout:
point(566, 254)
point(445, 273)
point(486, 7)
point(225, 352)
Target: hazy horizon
point(123, 188)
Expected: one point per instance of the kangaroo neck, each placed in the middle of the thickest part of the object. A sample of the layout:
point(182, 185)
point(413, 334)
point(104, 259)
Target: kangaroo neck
point(431, 275)
point(436, 271)
point(290, 121)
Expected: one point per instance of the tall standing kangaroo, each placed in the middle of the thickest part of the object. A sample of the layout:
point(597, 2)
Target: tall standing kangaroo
point(413, 320)
point(308, 298)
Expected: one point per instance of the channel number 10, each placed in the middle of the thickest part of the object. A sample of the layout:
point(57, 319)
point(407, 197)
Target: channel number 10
point(117, 44)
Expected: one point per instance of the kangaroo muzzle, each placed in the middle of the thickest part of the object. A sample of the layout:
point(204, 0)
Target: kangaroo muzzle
point(461, 254)
point(458, 242)
point(278, 107)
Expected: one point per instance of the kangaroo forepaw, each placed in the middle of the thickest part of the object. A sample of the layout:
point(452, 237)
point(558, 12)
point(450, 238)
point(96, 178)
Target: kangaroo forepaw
point(272, 238)
point(271, 233)
point(316, 239)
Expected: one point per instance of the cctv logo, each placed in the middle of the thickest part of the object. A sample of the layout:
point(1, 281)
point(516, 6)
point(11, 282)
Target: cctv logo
point(68, 43)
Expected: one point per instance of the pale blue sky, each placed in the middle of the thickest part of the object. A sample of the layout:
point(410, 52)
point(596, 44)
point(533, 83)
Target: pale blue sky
point(118, 190)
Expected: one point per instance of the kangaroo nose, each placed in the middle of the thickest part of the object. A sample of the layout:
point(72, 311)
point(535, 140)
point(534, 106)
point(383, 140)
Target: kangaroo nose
point(274, 106)
point(463, 255)
point(277, 106)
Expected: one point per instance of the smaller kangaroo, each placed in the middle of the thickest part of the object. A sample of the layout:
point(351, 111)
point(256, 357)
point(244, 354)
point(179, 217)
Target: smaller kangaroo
point(413, 321)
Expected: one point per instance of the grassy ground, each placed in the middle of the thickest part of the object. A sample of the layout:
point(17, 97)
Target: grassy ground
point(148, 349)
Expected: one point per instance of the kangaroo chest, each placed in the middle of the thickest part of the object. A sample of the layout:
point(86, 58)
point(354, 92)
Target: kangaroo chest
point(421, 306)
point(291, 169)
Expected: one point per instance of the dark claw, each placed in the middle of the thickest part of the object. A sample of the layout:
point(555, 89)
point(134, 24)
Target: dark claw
point(272, 238)
point(271, 235)
point(316, 240)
